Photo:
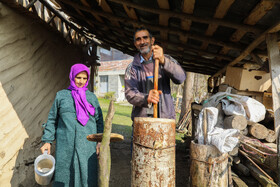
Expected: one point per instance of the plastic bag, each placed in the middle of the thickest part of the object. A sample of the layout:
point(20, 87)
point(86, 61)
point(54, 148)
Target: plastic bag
point(239, 105)
point(223, 139)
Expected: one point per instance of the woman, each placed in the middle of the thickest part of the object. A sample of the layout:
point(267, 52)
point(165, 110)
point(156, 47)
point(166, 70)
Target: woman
point(75, 114)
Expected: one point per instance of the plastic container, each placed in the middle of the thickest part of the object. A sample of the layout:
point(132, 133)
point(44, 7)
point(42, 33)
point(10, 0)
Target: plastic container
point(44, 168)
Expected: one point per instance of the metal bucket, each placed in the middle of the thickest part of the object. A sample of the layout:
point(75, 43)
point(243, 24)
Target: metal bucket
point(209, 167)
point(153, 157)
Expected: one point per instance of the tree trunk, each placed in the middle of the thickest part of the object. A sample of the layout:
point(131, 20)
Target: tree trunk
point(187, 94)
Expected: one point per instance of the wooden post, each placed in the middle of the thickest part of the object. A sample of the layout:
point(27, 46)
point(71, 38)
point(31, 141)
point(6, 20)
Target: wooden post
point(105, 154)
point(274, 66)
point(156, 86)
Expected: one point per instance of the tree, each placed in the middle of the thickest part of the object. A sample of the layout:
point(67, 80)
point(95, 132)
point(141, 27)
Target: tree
point(187, 94)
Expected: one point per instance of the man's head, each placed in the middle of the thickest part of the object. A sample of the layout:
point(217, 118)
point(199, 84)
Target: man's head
point(143, 40)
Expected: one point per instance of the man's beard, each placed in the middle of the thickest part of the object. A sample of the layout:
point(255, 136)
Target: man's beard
point(146, 50)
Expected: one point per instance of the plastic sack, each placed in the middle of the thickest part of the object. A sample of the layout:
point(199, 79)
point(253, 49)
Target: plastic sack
point(239, 105)
point(212, 116)
point(223, 139)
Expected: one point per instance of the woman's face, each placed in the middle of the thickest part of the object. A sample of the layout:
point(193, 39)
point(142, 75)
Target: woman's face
point(81, 79)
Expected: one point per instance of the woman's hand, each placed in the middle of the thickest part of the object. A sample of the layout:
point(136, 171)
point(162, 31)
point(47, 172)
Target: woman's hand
point(46, 146)
point(98, 148)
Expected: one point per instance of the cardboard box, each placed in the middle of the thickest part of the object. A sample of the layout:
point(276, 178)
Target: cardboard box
point(242, 79)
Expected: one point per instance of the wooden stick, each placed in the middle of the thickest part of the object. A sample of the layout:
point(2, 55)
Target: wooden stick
point(205, 125)
point(245, 154)
point(156, 86)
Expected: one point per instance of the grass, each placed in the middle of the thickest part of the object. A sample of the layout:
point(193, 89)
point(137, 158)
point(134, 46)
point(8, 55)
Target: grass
point(122, 121)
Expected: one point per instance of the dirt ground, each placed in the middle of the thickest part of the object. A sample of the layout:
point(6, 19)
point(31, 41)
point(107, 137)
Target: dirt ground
point(121, 167)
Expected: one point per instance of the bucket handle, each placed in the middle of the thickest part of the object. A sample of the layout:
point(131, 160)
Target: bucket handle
point(45, 152)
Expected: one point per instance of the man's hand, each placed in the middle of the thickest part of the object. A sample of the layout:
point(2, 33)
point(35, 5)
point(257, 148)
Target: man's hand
point(153, 96)
point(46, 146)
point(158, 53)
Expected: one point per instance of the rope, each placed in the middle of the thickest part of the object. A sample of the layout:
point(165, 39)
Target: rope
point(212, 164)
point(261, 144)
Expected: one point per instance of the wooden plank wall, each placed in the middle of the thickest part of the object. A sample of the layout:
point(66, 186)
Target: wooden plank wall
point(34, 64)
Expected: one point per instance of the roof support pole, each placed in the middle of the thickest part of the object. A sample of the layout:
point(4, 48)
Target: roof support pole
point(274, 66)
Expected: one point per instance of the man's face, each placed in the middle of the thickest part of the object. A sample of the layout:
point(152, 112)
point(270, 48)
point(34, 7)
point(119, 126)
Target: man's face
point(143, 42)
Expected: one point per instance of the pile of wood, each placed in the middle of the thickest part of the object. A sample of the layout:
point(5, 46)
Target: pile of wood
point(254, 160)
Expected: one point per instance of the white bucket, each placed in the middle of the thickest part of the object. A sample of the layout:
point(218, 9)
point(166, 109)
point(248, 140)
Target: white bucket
point(44, 168)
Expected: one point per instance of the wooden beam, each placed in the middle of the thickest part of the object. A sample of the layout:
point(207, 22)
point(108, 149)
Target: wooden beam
point(221, 11)
point(160, 28)
point(163, 19)
point(184, 16)
point(274, 63)
point(257, 59)
point(30, 4)
point(48, 6)
point(250, 48)
point(104, 5)
point(197, 59)
point(84, 18)
point(180, 45)
point(131, 13)
point(51, 19)
point(69, 34)
point(188, 7)
point(34, 10)
point(256, 14)
point(52, 16)
point(197, 70)
point(43, 12)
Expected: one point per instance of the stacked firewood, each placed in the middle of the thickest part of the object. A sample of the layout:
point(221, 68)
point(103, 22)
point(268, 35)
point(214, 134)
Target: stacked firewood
point(254, 160)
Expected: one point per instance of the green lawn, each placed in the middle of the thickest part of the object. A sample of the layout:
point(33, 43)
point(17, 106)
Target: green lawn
point(121, 121)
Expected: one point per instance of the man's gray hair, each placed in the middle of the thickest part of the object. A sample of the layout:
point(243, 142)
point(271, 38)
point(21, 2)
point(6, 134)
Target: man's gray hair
point(142, 29)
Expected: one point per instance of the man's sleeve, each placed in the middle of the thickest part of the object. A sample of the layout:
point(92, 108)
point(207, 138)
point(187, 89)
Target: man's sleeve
point(173, 70)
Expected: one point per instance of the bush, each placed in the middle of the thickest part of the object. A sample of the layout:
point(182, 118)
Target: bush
point(109, 95)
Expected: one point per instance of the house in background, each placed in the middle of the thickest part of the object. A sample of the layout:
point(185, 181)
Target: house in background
point(111, 72)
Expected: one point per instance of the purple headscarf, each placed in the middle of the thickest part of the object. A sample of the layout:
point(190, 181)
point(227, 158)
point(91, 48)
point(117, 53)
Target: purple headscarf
point(79, 94)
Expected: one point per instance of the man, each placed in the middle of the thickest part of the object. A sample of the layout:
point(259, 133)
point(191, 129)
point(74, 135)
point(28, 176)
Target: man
point(139, 78)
